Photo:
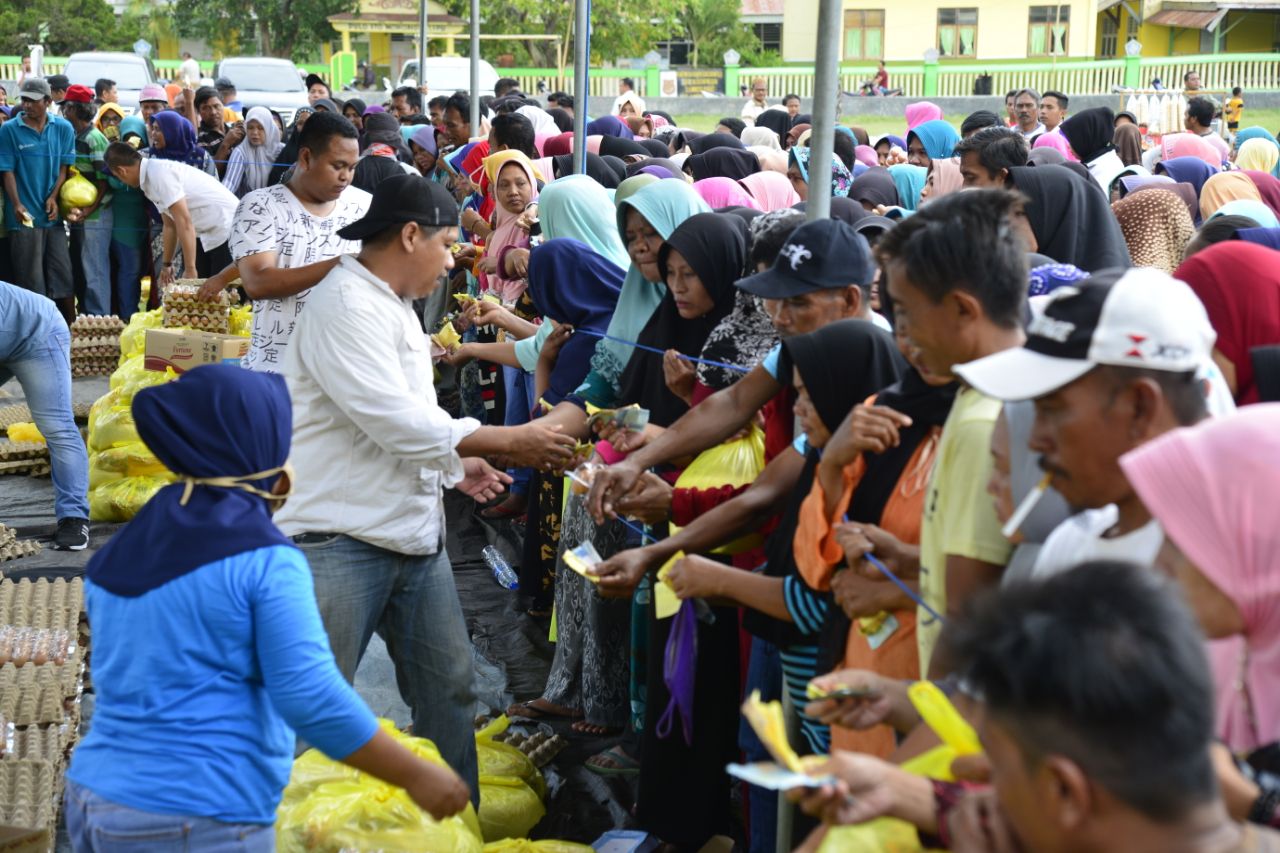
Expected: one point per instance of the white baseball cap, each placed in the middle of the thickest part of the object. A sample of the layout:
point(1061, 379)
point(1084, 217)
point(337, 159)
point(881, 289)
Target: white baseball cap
point(1138, 317)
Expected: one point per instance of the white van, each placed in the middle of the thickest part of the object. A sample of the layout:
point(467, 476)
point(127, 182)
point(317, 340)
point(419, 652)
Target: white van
point(448, 74)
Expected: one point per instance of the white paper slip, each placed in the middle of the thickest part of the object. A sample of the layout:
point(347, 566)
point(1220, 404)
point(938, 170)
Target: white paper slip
point(766, 774)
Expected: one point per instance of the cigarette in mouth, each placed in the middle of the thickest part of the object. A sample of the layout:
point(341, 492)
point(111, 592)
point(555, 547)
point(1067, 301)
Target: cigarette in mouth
point(1024, 509)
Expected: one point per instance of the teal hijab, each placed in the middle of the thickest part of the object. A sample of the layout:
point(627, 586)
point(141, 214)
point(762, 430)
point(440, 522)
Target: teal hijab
point(1255, 210)
point(577, 207)
point(938, 138)
point(1244, 136)
point(910, 181)
point(664, 205)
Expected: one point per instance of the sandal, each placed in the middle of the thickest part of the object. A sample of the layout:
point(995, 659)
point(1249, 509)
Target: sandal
point(530, 711)
point(582, 727)
point(506, 510)
point(622, 764)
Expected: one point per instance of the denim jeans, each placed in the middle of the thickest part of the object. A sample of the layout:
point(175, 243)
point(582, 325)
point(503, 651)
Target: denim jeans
point(96, 825)
point(127, 261)
point(94, 242)
point(45, 377)
point(413, 605)
point(520, 400)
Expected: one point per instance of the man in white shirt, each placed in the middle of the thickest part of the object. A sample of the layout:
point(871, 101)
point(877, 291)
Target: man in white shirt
point(373, 453)
point(285, 237)
point(189, 71)
point(1112, 363)
point(1026, 109)
point(192, 203)
point(759, 101)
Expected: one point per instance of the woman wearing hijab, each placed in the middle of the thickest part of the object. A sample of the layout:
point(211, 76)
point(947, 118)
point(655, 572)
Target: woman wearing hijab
point(1090, 133)
point(1173, 145)
point(1224, 187)
point(208, 645)
point(919, 113)
point(609, 126)
point(1187, 170)
point(1259, 155)
point(798, 171)
point(910, 181)
point(597, 169)
point(1070, 219)
point(558, 146)
point(110, 115)
point(354, 109)
point(776, 121)
point(289, 154)
point(1156, 227)
point(1239, 284)
point(929, 141)
point(1248, 209)
point(875, 188)
point(722, 163)
point(654, 148)
point(1127, 140)
point(423, 146)
point(1209, 486)
point(174, 138)
point(1054, 141)
point(761, 136)
point(543, 124)
point(770, 190)
point(563, 121)
point(628, 104)
point(720, 193)
point(712, 141)
point(1268, 187)
point(616, 146)
point(250, 163)
point(797, 133)
point(944, 178)
point(885, 489)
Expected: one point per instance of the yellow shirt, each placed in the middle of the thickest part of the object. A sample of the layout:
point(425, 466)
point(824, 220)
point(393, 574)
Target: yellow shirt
point(959, 515)
point(1233, 110)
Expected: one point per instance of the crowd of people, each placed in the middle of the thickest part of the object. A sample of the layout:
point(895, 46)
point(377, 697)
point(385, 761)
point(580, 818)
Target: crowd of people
point(1005, 422)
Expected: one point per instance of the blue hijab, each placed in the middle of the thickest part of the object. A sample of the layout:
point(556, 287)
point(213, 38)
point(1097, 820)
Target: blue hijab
point(570, 283)
point(179, 139)
point(1269, 237)
point(1187, 170)
point(910, 181)
point(938, 138)
point(609, 126)
point(214, 421)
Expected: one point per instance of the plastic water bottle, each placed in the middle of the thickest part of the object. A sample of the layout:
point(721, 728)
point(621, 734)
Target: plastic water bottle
point(502, 571)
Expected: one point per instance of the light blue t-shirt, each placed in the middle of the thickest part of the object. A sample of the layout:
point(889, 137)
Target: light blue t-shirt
point(201, 684)
point(24, 322)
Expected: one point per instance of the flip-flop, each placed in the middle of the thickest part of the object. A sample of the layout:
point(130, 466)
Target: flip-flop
point(528, 711)
point(627, 766)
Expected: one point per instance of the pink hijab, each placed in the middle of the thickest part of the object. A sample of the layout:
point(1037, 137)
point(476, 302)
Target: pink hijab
point(724, 192)
point(918, 114)
point(593, 144)
point(867, 156)
point(506, 234)
point(771, 190)
point(1189, 145)
point(1212, 487)
point(771, 159)
point(944, 178)
point(1057, 142)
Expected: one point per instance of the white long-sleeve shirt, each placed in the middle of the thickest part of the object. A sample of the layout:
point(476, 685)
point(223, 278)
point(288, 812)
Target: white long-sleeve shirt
point(372, 450)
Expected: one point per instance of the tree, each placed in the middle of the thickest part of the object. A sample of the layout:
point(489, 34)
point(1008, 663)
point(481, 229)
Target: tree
point(714, 26)
point(287, 28)
point(62, 26)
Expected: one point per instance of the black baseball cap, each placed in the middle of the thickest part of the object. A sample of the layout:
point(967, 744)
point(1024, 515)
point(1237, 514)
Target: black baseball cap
point(313, 79)
point(401, 199)
point(824, 254)
point(58, 81)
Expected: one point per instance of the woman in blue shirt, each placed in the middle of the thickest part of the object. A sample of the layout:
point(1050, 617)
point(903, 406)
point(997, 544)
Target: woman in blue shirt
point(208, 650)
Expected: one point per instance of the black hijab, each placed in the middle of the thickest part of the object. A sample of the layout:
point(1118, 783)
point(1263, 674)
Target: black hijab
point(372, 170)
point(1071, 219)
point(654, 147)
point(842, 364)
point(875, 186)
point(597, 169)
point(616, 146)
point(634, 169)
point(1090, 132)
point(846, 210)
point(803, 118)
point(731, 163)
point(776, 120)
point(709, 141)
point(715, 247)
point(616, 164)
point(563, 120)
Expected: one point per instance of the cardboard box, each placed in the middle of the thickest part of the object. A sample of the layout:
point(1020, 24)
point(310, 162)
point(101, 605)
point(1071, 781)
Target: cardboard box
point(183, 349)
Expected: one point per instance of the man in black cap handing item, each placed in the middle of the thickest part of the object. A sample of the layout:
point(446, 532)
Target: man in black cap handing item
point(373, 452)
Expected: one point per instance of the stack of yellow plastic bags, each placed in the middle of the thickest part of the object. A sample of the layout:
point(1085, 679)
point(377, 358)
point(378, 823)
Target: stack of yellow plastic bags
point(123, 472)
point(511, 787)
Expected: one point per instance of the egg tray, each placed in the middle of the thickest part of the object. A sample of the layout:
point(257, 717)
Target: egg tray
point(93, 326)
point(15, 414)
point(93, 367)
point(30, 793)
point(23, 645)
point(184, 309)
point(42, 603)
point(541, 747)
point(95, 347)
point(40, 695)
point(19, 549)
point(36, 743)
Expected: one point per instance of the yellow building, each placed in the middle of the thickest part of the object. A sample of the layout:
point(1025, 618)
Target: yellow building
point(994, 30)
point(385, 32)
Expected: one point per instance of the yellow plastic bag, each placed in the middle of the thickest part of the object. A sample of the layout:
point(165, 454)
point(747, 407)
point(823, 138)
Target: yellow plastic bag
point(734, 463)
point(524, 845)
point(133, 338)
point(112, 427)
point(25, 431)
point(329, 806)
point(241, 321)
point(126, 372)
point(134, 459)
point(77, 191)
point(121, 499)
point(501, 759)
point(509, 808)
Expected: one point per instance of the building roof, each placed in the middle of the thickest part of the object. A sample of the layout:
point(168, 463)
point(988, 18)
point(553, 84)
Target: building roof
point(754, 8)
point(1189, 19)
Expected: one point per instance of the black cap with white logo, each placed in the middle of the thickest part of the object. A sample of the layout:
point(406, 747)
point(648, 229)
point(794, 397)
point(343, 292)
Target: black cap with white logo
point(820, 255)
point(1128, 318)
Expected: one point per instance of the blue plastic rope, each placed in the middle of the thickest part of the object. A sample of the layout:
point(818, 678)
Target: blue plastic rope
point(663, 352)
point(625, 523)
point(912, 594)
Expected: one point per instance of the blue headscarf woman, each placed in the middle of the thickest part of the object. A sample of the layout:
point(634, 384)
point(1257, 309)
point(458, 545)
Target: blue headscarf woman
point(798, 172)
point(208, 649)
point(933, 140)
point(174, 138)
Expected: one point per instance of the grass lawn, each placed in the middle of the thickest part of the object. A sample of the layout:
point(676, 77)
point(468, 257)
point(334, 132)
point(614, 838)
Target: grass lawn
point(880, 125)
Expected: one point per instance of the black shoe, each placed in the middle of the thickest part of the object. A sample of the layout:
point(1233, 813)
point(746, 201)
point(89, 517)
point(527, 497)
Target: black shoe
point(72, 535)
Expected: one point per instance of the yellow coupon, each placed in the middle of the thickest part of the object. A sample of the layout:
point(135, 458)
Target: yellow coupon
point(766, 720)
point(941, 716)
point(582, 558)
point(665, 601)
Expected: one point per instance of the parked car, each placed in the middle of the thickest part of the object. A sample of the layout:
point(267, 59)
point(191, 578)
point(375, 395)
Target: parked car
point(130, 71)
point(265, 81)
point(448, 74)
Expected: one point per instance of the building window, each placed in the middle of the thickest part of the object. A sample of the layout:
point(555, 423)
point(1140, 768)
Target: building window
point(958, 32)
point(864, 34)
point(1109, 46)
point(1047, 31)
point(769, 36)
